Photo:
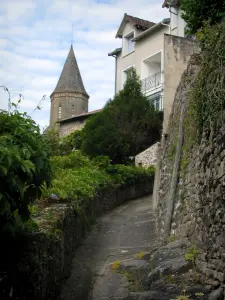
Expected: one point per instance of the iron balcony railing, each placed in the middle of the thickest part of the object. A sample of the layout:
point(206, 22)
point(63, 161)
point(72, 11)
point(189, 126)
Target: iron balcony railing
point(151, 82)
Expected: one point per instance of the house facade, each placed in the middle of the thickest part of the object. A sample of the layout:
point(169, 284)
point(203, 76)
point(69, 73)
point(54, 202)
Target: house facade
point(147, 47)
point(142, 49)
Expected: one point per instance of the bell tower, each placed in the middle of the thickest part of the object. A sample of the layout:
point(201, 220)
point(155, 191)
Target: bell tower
point(69, 98)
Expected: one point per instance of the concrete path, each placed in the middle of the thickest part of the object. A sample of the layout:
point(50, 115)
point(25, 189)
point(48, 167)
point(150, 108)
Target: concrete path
point(117, 236)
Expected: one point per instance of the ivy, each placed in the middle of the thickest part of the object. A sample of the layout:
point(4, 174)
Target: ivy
point(207, 98)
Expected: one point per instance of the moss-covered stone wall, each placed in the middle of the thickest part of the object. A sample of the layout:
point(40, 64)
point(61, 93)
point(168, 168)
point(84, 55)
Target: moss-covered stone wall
point(45, 256)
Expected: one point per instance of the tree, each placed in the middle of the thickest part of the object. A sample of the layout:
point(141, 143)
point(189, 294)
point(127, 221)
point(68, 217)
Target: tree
point(198, 12)
point(24, 167)
point(127, 125)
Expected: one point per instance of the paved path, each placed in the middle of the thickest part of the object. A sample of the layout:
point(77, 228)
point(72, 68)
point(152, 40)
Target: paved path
point(118, 235)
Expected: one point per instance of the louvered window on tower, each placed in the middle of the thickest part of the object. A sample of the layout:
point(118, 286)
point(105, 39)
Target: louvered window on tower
point(60, 112)
point(73, 110)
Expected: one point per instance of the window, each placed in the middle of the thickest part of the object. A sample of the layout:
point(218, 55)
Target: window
point(156, 100)
point(126, 74)
point(128, 43)
point(73, 110)
point(60, 112)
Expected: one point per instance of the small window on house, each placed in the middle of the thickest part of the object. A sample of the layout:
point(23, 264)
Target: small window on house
point(128, 43)
point(126, 74)
point(60, 112)
point(156, 100)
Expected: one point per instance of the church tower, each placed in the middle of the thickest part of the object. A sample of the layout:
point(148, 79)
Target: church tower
point(69, 98)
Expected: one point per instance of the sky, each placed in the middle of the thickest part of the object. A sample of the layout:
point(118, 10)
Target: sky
point(35, 38)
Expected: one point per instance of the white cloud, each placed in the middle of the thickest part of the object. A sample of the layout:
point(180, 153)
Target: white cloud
point(35, 36)
point(14, 9)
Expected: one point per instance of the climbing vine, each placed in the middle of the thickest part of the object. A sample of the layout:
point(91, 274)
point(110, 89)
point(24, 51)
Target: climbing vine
point(207, 101)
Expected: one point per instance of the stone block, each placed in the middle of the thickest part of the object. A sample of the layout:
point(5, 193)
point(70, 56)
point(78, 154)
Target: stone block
point(217, 294)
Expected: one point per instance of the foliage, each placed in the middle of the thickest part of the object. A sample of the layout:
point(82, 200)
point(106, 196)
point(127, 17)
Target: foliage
point(172, 238)
point(207, 98)
point(24, 166)
point(191, 254)
point(199, 295)
point(115, 265)
point(127, 174)
point(78, 178)
point(170, 278)
point(63, 145)
point(127, 125)
point(74, 160)
point(183, 297)
point(51, 137)
point(140, 255)
point(197, 12)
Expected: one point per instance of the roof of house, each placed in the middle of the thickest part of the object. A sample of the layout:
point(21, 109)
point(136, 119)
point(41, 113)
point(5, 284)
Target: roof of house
point(70, 79)
point(115, 52)
point(139, 23)
point(152, 29)
point(168, 3)
point(80, 116)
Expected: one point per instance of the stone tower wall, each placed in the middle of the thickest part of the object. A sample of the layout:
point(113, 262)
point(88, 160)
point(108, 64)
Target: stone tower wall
point(72, 104)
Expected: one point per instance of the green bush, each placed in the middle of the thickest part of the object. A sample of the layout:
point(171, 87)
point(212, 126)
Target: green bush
point(73, 160)
point(63, 145)
point(197, 12)
point(78, 178)
point(24, 167)
point(127, 174)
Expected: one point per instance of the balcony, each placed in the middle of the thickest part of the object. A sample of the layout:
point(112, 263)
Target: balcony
point(151, 82)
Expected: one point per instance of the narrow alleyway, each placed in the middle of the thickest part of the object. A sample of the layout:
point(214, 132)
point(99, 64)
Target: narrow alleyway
point(117, 236)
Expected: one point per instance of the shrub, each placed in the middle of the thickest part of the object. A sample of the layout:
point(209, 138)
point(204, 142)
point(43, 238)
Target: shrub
point(61, 146)
point(24, 167)
point(197, 12)
point(127, 125)
point(78, 178)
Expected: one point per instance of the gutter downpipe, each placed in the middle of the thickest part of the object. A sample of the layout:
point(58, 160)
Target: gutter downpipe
point(115, 72)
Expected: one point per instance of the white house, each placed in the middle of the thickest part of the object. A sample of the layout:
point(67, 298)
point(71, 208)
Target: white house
point(147, 47)
point(142, 48)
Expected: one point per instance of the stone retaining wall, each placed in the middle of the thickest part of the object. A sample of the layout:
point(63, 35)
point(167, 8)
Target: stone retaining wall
point(148, 157)
point(199, 201)
point(46, 256)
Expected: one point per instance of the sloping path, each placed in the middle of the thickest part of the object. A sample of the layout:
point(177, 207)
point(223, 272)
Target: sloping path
point(118, 236)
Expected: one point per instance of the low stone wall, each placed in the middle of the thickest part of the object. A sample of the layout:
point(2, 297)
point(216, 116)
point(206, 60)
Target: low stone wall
point(46, 256)
point(148, 157)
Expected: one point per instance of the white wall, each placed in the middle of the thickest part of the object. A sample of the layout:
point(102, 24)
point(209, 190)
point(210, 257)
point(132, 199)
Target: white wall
point(177, 23)
point(144, 48)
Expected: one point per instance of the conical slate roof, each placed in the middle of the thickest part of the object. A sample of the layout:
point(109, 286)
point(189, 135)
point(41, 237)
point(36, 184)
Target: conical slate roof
point(70, 79)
